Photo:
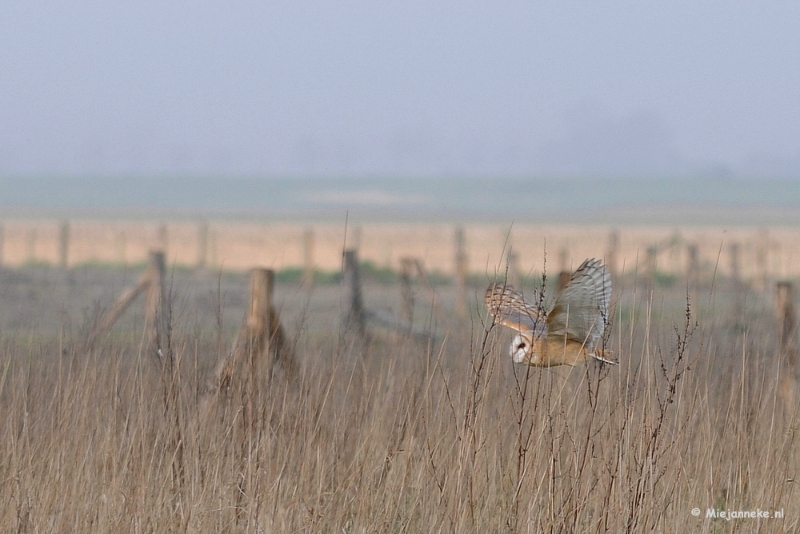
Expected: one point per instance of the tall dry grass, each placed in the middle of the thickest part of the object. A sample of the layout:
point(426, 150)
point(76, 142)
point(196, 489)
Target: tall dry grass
point(403, 435)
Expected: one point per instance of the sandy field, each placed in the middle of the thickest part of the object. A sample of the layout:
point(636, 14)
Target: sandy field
point(761, 252)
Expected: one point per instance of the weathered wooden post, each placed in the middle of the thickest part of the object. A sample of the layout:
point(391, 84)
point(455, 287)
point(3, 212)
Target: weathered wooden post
point(157, 307)
point(261, 285)
point(63, 244)
point(256, 339)
point(460, 273)
point(613, 251)
point(308, 257)
point(119, 307)
point(406, 291)
point(787, 327)
point(354, 317)
point(202, 244)
point(261, 334)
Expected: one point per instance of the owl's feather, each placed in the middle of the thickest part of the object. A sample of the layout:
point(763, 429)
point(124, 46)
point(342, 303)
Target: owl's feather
point(581, 310)
point(509, 308)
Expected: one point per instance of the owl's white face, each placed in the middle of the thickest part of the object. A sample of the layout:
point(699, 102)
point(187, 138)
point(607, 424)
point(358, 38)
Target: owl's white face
point(521, 348)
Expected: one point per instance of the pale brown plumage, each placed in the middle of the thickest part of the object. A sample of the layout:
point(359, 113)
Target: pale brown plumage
point(570, 334)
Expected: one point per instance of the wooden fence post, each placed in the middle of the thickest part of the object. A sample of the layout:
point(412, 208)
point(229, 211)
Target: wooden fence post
point(256, 339)
point(158, 310)
point(406, 291)
point(787, 327)
point(63, 244)
point(308, 257)
point(261, 334)
point(354, 318)
point(460, 273)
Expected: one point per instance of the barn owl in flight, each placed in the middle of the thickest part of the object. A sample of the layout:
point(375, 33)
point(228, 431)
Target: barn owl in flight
point(571, 332)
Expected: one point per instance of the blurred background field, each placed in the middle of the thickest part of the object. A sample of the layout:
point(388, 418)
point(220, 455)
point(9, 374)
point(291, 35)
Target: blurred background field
point(772, 252)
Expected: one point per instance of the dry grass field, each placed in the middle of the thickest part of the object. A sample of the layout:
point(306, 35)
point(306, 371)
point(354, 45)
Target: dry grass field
point(392, 433)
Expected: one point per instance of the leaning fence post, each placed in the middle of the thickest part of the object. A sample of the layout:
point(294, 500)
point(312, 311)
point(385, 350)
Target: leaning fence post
point(156, 308)
point(119, 307)
point(354, 318)
point(786, 334)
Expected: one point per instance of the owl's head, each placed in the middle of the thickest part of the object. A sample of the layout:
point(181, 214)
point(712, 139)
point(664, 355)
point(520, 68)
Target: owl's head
point(521, 347)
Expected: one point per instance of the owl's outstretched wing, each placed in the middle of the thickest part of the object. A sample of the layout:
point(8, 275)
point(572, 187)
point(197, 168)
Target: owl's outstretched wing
point(581, 310)
point(509, 308)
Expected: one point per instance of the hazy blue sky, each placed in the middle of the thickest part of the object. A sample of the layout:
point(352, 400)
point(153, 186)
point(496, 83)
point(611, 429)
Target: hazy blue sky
point(413, 87)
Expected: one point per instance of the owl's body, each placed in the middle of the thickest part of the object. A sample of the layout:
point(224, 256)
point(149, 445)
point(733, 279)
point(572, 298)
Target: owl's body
point(551, 351)
point(571, 333)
